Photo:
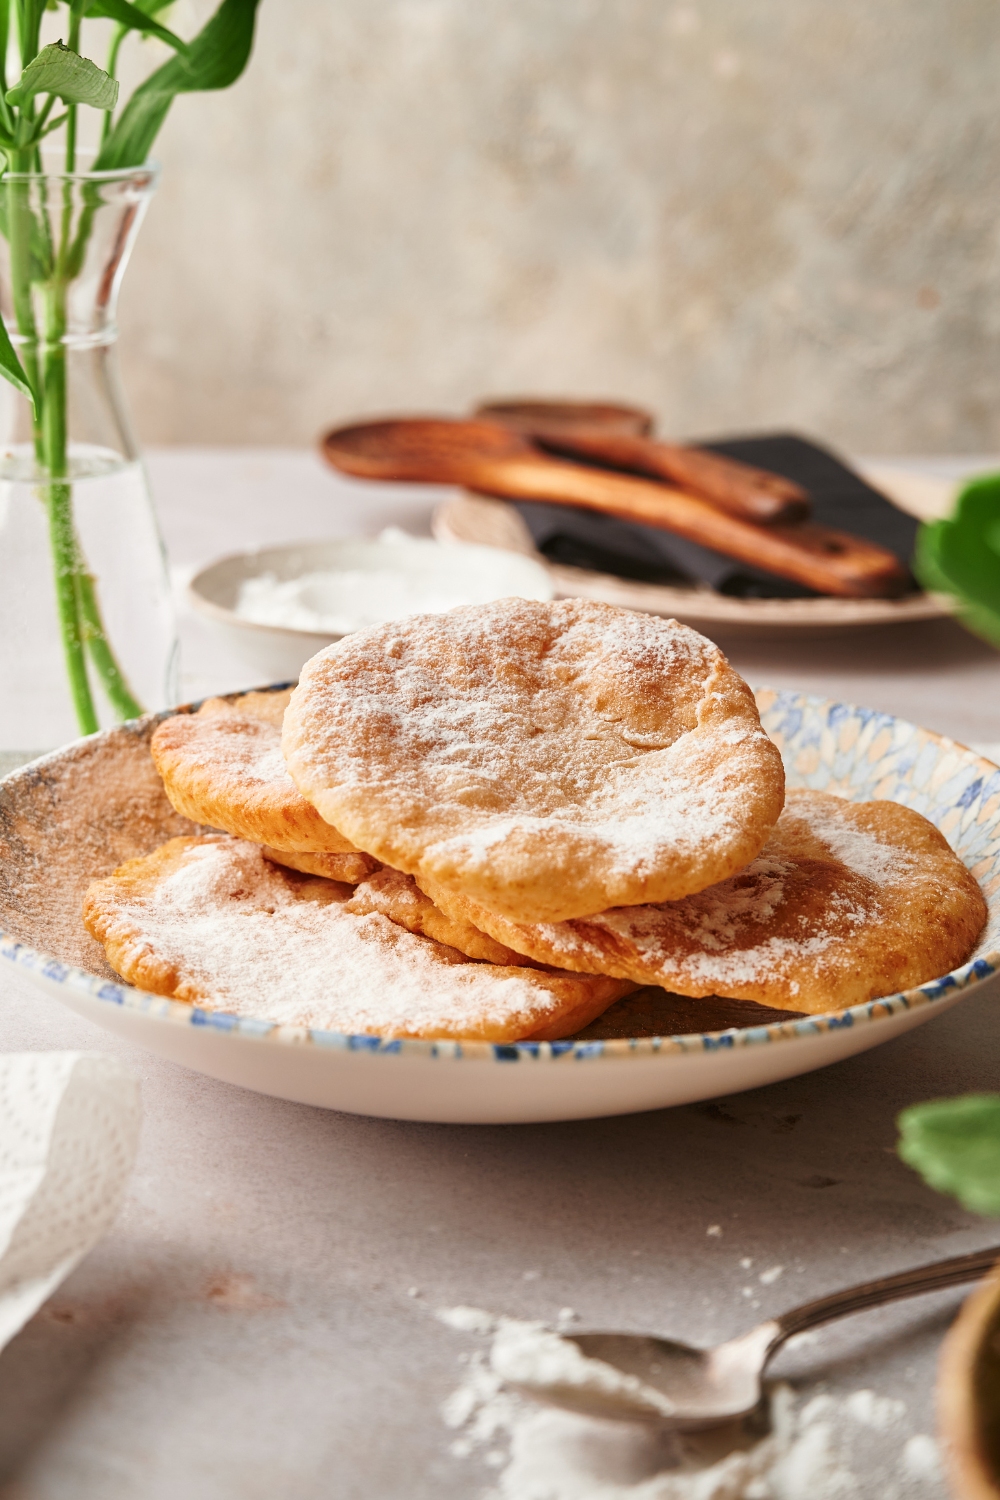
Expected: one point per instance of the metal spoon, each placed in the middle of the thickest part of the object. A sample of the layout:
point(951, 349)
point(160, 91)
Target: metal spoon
point(635, 1377)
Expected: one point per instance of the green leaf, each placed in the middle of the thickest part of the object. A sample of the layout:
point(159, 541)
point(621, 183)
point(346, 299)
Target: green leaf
point(960, 556)
point(955, 1146)
point(153, 7)
point(73, 79)
point(51, 126)
point(215, 58)
point(11, 368)
point(134, 19)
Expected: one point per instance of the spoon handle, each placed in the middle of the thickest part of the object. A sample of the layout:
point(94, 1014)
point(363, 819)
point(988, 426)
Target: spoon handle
point(750, 493)
point(932, 1278)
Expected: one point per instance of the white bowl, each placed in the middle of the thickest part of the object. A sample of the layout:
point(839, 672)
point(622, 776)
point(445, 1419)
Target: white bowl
point(427, 570)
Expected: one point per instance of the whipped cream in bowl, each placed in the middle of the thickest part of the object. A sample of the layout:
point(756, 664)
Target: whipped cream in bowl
point(280, 605)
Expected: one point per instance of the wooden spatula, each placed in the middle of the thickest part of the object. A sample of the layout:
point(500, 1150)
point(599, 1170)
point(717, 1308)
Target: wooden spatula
point(582, 430)
point(494, 460)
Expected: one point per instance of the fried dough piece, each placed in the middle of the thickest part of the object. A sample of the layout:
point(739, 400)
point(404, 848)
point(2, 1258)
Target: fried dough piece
point(398, 897)
point(223, 767)
point(848, 901)
point(209, 920)
point(349, 869)
point(547, 760)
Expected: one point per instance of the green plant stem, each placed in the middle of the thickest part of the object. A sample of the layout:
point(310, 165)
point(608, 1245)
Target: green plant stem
point(42, 119)
point(59, 505)
point(86, 627)
point(74, 43)
point(29, 17)
point(111, 68)
point(50, 444)
point(4, 44)
point(120, 695)
point(43, 355)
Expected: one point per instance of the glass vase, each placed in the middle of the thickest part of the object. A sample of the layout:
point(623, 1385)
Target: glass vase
point(87, 632)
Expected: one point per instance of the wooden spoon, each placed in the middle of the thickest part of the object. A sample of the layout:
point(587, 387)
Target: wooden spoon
point(609, 416)
point(494, 460)
point(578, 430)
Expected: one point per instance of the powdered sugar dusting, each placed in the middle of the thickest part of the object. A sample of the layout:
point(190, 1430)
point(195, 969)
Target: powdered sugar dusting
point(681, 797)
point(247, 735)
point(268, 764)
point(860, 849)
point(847, 902)
point(823, 1447)
point(249, 937)
point(461, 700)
point(533, 1356)
point(576, 754)
point(716, 918)
point(240, 740)
point(722, 940)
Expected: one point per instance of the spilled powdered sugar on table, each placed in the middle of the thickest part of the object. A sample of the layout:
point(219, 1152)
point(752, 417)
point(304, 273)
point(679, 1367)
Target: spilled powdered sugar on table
point(804, 1447)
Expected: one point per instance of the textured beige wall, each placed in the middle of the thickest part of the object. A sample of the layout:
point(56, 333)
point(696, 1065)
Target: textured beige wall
point(743, 213)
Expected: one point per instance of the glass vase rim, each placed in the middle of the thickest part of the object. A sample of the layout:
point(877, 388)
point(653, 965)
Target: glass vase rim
point(150, 168)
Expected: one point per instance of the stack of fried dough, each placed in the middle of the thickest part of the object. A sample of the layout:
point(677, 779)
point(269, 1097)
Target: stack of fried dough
point(497, 822)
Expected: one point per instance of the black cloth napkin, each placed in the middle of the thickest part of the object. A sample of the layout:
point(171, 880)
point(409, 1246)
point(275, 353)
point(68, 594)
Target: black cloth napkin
point(840, 498)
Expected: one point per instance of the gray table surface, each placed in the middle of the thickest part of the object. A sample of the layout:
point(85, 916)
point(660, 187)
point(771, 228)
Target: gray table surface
point(249, 1328)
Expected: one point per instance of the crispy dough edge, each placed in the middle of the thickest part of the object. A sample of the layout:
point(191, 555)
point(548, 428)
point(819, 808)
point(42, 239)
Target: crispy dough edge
point(601, 999)
point(349, 869)
point(128, 953)
point(428, 920)
point(295, 828)
point(965, 926)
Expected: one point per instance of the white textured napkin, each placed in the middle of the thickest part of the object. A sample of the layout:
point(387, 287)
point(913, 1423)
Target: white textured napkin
point(69, 1127)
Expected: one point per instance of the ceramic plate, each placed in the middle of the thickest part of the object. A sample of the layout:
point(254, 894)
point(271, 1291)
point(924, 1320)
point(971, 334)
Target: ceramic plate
point(495, 523)
point(85, 809)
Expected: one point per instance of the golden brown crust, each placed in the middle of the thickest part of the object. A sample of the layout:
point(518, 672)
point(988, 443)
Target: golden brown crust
point(548, 760)
point(222, 767)
point(349, 869)
point(398, 897)
point(209, 920)
point(847, 902)
point(266, 708)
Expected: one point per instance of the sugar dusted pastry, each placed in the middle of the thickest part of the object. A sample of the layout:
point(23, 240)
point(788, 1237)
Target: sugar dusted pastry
point(222, 767)
point(398, 897)
point(547, 760)
point(848, 901)
point(211, 921)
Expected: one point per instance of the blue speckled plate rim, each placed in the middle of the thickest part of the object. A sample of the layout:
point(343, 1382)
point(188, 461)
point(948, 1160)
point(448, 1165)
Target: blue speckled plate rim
point(177, 1012)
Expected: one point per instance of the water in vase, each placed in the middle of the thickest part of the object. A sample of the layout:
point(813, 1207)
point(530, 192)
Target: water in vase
point(86, 629)
point(122, 553)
